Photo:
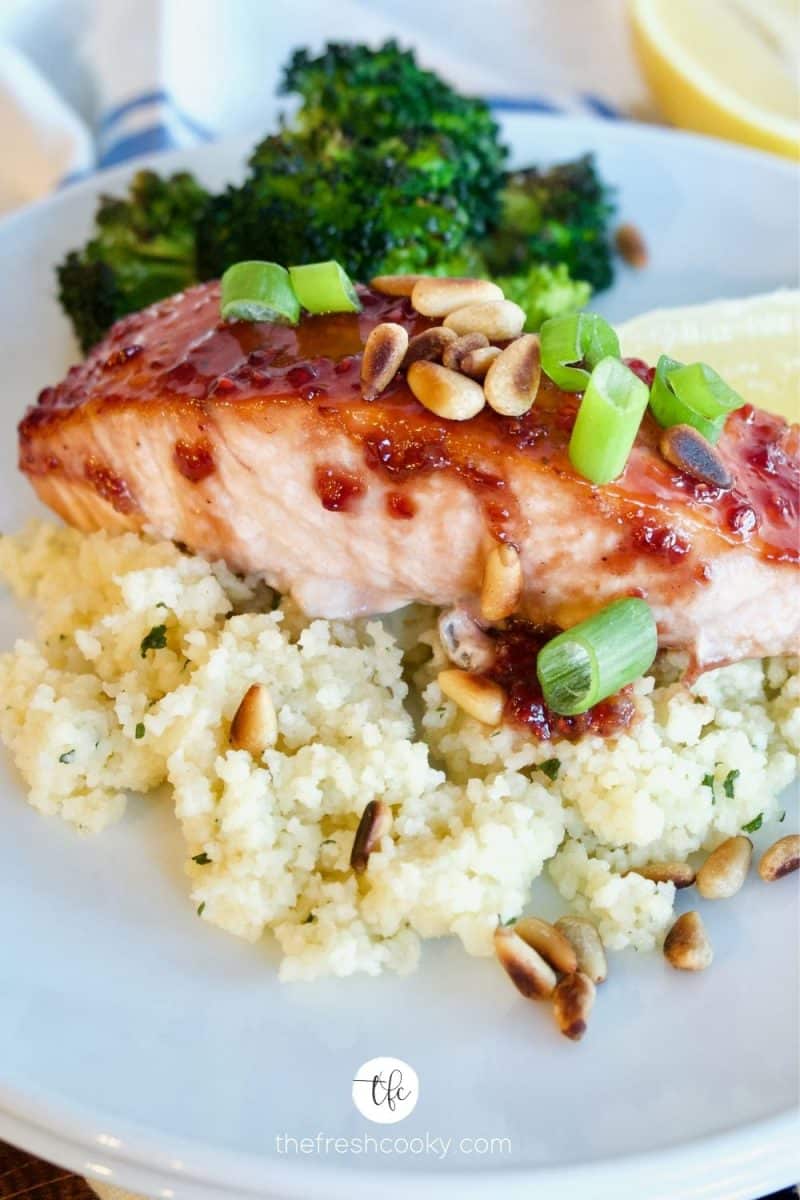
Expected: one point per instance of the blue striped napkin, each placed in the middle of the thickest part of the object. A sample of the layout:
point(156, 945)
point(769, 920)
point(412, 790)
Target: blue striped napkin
point(104, 82)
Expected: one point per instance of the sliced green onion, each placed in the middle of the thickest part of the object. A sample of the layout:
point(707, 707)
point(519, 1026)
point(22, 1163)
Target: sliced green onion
point(259, 291)
point(594, 659)
point(608, 419)
point(572, 346)
point(692, 395)
point(324, 288)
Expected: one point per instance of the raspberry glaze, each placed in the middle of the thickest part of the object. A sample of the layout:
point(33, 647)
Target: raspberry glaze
point(189, 353)
point(195, 381)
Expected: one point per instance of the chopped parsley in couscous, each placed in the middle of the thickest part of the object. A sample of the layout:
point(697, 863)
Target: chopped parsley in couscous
point(143, 655)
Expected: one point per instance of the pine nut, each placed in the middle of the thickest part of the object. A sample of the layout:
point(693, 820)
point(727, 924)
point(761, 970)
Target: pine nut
point(461, 346)
point(478, 697)
point(395, 285)
point(429, 345)
point(383, 356)
point(477, 362)
point(512, 381)
point(781, 859)
point(725, 870)
point(585, 941)
point(681, 874)
point(525, 967)
point(551, 943)
point(686, 448)
point(444, 392)
point(436, 297)
point(499, 320)
point(254, 726)
point(686, 946)
point(464, 642)
point(375, 823)
point(573, 1000)
point(502, 583)
point(631, 246)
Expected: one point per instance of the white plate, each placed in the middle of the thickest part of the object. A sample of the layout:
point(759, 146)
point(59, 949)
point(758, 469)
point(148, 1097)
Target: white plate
point(144, 1047)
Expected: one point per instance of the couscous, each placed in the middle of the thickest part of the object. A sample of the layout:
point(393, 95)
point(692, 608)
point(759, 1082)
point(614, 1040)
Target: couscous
point(143, 654)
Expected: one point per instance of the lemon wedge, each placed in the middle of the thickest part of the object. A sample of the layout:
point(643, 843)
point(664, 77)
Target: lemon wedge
point(753, 343)
point(724, 67)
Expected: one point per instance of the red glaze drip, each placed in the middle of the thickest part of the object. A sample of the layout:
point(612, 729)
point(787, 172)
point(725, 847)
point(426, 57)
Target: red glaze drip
point(517, 649)
point(640, 368)
point(111, 487)
point(338, 489)
point(399, 506)
point(404, 448)
point(181, 349)
point(660, 540)
point(194, 460)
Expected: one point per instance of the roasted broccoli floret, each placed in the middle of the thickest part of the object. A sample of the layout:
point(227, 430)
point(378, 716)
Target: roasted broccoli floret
point(559, 215)
point(545, 292)
point(89, 297)
point(450, 143)
point(302, 208)
point(143, 249)
point(385, 168)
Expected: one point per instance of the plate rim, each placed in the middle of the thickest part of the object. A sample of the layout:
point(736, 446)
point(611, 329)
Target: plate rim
point(761, 1151)
point(765, 1155)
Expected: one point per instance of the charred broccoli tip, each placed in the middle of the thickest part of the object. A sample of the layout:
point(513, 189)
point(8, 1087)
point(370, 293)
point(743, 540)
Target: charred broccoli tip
point(143, 249)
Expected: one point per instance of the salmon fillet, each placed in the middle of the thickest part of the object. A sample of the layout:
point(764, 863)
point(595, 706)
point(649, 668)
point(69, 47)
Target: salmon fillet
point(251, 443)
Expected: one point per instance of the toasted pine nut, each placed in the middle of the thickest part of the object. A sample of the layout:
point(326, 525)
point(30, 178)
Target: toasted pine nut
point(585, 941)
point(686, 946)
point(436, 297)
point(725, 869)
point(479, 697)
point(512, 381)
point(395, 285)
point(375, 823)
point(429, 345)
point(500, 320)
point(464, 642)
point(461, 346)
point(681, 874)
point(573, 1000)
point(254, 726)
point(686, 448)
point(477, 362)
point(526, 968)
point(502, 583)
point(631, 245)
point(781, 859)
point(554, 947)
point(444, 392)
point(383, 356)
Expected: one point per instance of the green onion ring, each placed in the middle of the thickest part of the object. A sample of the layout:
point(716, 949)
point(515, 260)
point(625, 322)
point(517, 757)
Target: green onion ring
point(593, 660)
point(608, 420)
point(258, 291)
point(324, 287)
point(692, 395)
point(571, 346)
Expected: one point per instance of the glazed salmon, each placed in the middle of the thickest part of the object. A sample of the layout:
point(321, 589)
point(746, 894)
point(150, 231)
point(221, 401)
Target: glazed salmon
point(251, 443)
